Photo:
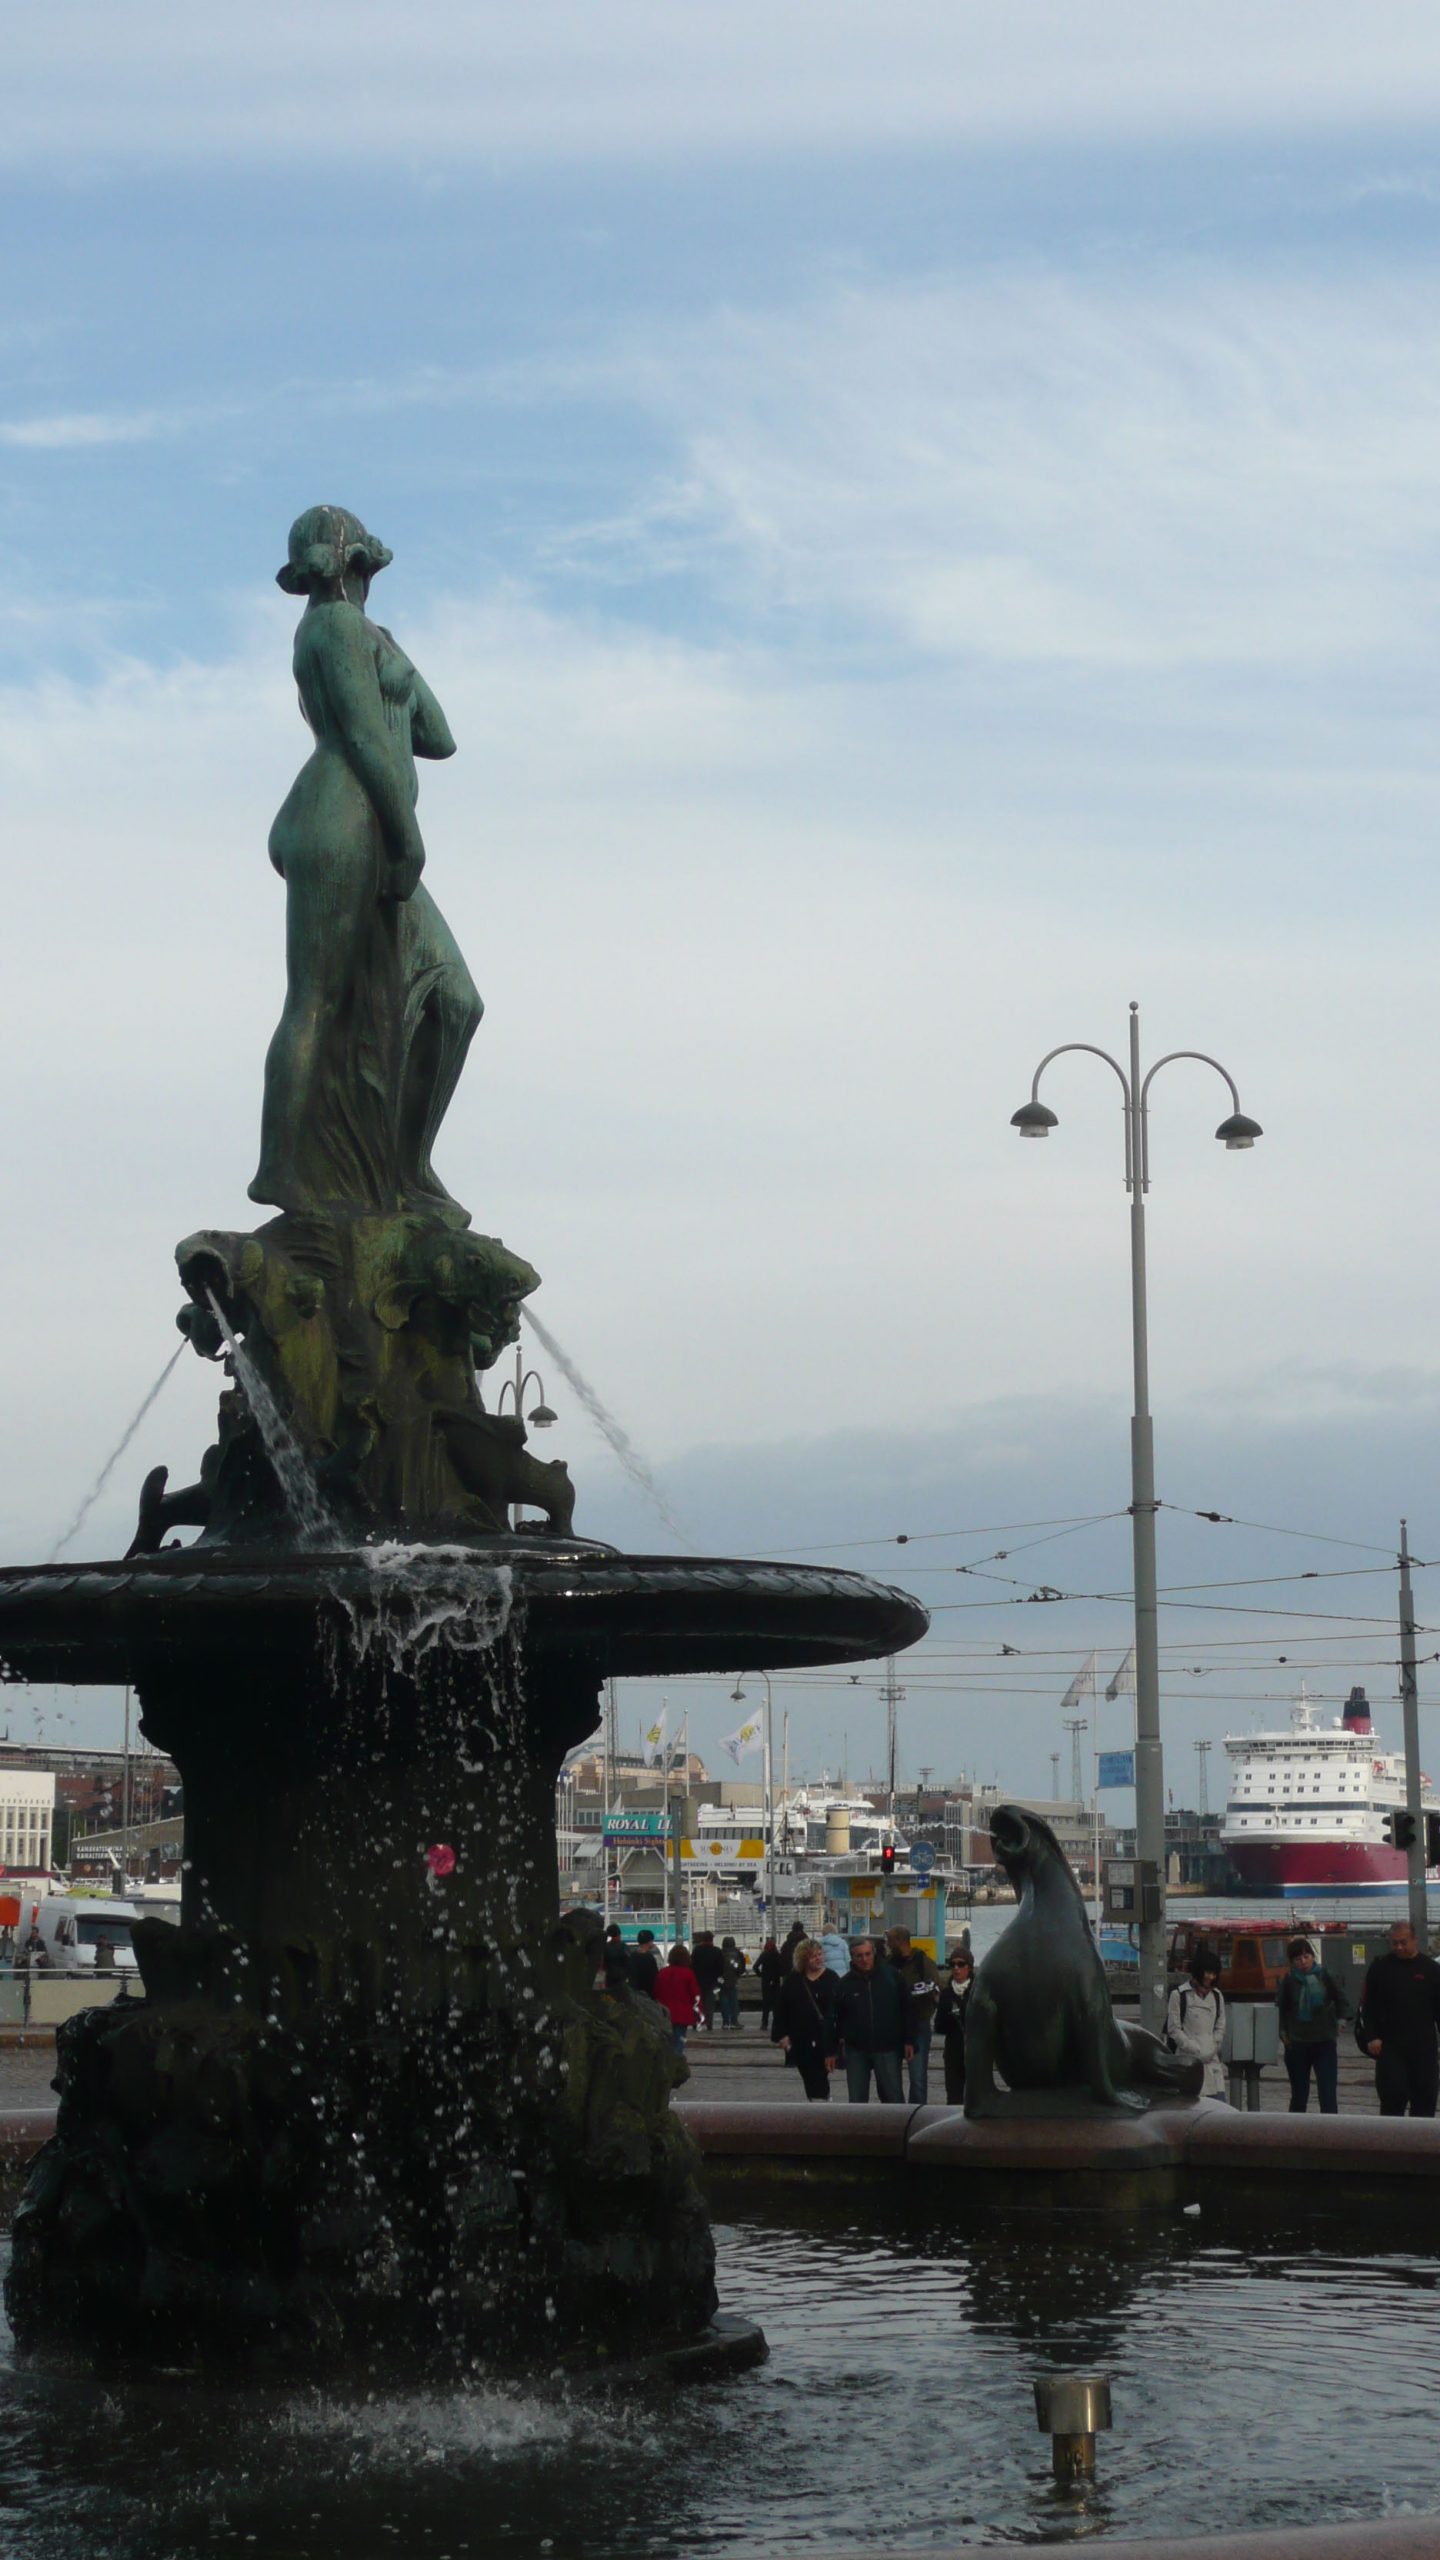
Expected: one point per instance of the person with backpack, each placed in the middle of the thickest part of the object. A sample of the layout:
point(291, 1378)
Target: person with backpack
point(1195, 2020)
point(1311, 2005)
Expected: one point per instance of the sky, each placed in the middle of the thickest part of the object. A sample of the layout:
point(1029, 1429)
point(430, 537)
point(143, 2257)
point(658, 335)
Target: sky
point(924, 523)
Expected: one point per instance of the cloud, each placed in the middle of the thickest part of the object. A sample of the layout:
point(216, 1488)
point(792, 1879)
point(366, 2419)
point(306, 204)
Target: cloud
point(1180, 469)
point(79, 429)
point(479, 82)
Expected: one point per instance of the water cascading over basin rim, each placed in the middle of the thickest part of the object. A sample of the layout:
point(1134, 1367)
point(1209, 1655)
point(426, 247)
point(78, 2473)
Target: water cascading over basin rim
point(628, 1615)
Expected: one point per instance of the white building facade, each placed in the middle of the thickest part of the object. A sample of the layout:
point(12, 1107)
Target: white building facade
point(27, 1817)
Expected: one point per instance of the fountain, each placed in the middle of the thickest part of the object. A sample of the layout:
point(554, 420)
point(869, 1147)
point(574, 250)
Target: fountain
point(373, 2102)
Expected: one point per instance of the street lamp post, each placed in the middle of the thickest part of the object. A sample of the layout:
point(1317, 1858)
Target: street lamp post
point(1033, 1120)
point(738, 1692)
point(540, 1414)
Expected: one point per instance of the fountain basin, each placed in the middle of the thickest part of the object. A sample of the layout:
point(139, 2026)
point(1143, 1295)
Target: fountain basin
point(375, 2072)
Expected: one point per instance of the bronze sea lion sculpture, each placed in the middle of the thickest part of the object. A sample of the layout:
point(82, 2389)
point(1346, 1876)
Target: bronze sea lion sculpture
point(1040, 2012)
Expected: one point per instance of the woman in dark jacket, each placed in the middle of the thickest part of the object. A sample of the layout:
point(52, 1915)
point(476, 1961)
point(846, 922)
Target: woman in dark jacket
point(950, 2014)
point(804, 2025)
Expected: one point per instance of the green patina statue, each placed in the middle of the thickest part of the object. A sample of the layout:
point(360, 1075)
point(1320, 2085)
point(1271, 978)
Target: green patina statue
point(366, 1307)
point(379, 1008)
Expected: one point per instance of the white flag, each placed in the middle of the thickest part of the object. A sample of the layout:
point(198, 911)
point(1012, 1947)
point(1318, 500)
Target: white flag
point(1123, 1684)
point(652, 1742)
point(1082, 1686)
point(749, 1736)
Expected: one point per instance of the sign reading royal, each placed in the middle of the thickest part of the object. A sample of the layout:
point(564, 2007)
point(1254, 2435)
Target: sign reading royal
point(622, 1829)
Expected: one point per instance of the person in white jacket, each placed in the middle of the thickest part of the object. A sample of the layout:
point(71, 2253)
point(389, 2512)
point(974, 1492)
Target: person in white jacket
point(1195, 2019)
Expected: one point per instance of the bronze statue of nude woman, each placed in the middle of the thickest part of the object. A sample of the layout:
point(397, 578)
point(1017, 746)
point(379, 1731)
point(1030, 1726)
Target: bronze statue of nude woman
point(380, 1008)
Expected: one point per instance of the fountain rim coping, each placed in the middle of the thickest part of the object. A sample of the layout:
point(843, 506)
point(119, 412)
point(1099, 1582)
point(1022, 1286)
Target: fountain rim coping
point(1204, 2134)
point(623, 1615)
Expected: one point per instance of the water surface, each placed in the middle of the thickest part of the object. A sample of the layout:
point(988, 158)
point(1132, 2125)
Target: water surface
point(1261, 2376)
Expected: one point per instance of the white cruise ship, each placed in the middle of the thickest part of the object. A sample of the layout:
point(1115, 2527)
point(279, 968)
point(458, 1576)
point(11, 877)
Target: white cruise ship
point(1305, 1806)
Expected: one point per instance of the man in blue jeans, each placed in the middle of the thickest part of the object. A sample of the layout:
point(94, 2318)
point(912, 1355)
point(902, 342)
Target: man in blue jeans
point(921, 1993)
point(870, 2016)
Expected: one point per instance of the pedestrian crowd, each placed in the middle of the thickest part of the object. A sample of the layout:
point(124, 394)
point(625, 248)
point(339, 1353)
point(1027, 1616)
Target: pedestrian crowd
point(690, 1985)
point(870, 2008)
point(1397, 2025)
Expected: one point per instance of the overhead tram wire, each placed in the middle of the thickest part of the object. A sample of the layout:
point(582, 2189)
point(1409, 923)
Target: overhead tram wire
point(1271, 1529)
point(925, 1537)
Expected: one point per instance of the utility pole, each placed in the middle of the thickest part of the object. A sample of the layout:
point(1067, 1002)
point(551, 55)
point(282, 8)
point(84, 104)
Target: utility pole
point(127, 1802)
point(1410, 1700)
point(1202, 1754)
point(1054, 1777)
point(892, 1694)
point(1075, 1726)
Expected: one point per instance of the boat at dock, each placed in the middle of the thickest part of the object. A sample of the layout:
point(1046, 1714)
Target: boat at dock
point(1307, 1806)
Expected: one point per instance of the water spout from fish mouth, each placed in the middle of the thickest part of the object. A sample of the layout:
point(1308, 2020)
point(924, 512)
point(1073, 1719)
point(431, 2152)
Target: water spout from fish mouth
point(312, 1516)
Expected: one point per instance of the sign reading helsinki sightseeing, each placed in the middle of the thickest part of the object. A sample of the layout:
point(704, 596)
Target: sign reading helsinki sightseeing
point(633, 1830)
point(710, 1851)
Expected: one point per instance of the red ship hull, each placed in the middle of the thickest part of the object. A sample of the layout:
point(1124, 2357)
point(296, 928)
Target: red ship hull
point(1283, 1868)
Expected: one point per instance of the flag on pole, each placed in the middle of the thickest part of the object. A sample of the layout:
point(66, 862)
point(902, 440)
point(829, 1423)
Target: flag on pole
point(1115, 1769)
point(652, 1742)
point(749, 1736)
point(1082, 1686)
point(1123, 1683)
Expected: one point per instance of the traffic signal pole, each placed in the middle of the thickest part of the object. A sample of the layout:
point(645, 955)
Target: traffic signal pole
point(1410, 1701)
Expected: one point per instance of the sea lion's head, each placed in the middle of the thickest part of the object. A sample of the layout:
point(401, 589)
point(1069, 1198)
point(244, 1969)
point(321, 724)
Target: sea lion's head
point(1022, 1842)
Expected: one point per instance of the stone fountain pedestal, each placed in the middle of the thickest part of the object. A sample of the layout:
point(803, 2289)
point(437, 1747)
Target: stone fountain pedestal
point(373, 2104)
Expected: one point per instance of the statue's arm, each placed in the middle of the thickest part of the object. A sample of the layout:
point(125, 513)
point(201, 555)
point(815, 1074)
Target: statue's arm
point(429, 728)
point(339, 659)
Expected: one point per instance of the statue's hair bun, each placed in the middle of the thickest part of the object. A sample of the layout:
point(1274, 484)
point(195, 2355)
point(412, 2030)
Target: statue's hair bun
point(324, 543)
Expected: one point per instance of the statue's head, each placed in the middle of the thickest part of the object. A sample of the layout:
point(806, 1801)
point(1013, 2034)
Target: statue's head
point(325, 543)
point(1023, 1841)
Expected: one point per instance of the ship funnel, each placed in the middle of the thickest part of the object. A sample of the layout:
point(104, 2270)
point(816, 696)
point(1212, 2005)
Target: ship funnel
point(837, 1833)
point(1356, 1718)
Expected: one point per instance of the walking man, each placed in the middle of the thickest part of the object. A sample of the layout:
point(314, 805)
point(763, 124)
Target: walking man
point(1397, 2025)
point(644, 1962)
point(922, 1990)
point(708, 1966)
point(870, 2016)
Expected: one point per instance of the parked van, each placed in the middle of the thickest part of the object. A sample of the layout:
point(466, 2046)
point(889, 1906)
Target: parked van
point(81, 1932)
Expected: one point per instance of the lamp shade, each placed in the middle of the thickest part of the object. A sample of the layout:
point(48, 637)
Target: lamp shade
point(1033, 1120)
point(1237, 1131)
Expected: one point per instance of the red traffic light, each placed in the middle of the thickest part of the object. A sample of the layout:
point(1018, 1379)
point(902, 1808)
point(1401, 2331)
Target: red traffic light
point(887, 1859)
